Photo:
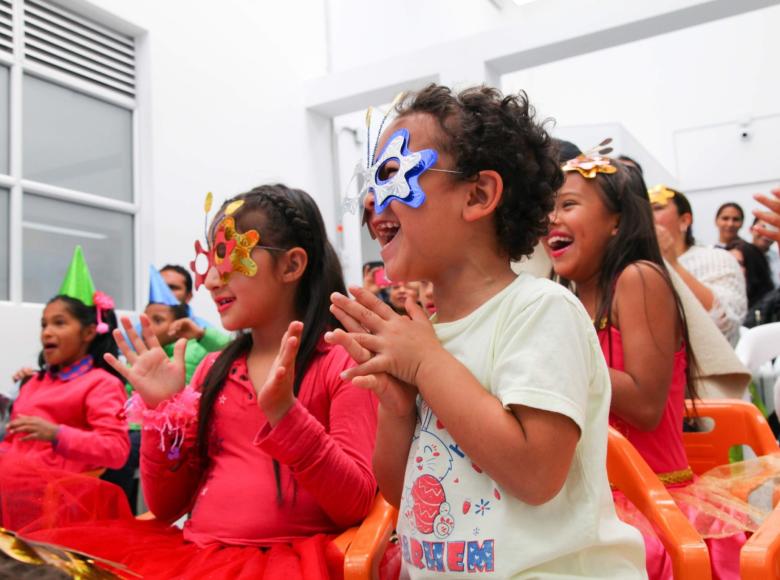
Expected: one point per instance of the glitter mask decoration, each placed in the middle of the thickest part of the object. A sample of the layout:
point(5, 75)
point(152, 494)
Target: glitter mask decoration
point(660, 195)
point(403, 185)
point(592, 162)
point(231, 250)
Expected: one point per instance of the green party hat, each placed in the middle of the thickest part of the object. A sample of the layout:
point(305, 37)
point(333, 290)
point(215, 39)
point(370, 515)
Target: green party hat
point(78, 282)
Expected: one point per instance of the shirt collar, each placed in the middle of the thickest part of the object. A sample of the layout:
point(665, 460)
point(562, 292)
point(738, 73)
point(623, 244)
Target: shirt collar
point(77, 369)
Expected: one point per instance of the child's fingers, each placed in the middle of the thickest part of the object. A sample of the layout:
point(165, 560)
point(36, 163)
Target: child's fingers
point(122, 369)
point(362, 315)
point(414, 310)
point(346, 320)
point(150, 338)
point(772, 203)
point(345, 340)
point(289, 352)
point(373, 366)
point(124, 347)
point(178, 352)
point(135, 340)
point(370, 301)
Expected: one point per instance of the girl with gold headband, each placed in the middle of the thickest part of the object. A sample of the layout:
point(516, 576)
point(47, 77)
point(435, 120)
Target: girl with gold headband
point(714, 276)
point(602, 238)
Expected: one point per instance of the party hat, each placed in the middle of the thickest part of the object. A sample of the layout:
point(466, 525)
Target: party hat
point(159, 292)
point(78, 282)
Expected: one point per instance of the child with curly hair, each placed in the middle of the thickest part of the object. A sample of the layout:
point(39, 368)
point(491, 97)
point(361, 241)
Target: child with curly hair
point(492, 427)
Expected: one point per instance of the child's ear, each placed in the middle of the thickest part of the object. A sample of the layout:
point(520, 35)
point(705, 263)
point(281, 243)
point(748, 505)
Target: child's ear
point(295, 261)
point(88, 333)
point(484, 195)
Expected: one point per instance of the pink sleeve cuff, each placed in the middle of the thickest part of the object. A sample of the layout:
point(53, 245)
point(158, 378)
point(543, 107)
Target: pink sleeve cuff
point(295, 438)
point(170, 418)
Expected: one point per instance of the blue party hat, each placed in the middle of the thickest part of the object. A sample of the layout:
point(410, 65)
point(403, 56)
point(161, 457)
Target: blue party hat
point(159, 293)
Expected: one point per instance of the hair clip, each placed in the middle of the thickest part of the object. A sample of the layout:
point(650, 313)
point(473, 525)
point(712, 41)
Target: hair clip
point(592, 162)
point(103, 302)
point(660, 195)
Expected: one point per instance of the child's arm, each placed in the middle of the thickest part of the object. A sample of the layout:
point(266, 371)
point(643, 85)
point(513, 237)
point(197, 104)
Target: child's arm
point(171, 477)
point(105, 443)
point(648, 319)
point(169, 485)
point(508, 446)
point(397, 416)
point(334, 465)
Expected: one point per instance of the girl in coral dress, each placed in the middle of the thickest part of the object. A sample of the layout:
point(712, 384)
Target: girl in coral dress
point(603, 240)
point(268, 449)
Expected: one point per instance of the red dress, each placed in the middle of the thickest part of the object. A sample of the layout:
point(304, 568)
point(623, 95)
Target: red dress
point(664, 452)
point(239, 527)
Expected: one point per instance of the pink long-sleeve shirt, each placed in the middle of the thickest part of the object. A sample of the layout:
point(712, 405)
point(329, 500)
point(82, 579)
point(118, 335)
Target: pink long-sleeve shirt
point(323, 445)
point(87, 403)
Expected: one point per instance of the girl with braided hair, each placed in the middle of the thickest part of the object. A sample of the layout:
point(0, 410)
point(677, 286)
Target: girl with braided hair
point(268, 448)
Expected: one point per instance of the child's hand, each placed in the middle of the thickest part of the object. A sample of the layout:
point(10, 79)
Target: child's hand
point(186, 328)
point(152, 374)
point(36, 429)
point(22, 374)
point(397, 397)
point(771, 217)
point(400, 344)
point(666, 244)
point(275, 396)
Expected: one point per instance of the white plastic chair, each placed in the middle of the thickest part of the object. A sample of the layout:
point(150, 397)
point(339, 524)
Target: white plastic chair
point(756, 349)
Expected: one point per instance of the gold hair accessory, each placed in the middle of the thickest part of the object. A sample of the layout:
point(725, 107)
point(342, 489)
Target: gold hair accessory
point(592, 162)
point(660, 195)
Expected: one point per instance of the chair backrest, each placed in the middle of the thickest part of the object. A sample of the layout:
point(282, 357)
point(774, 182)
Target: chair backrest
point(735, 423)
point(630, 474)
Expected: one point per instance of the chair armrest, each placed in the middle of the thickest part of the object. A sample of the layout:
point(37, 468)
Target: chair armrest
point(364, 546)
point(760, 556)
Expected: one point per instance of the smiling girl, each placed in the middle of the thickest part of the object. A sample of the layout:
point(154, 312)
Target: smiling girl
point(268, 448)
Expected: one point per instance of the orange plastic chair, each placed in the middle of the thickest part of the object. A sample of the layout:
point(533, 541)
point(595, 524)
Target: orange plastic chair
point(364, 546)
point(630, 474)
point(736, 423)
point(760, 556)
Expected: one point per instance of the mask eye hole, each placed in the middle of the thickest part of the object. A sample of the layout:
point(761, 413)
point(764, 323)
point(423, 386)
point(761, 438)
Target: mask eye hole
point(388, 169)
point(220, 250)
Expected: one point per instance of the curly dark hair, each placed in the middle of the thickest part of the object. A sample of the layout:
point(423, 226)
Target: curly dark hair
point(483, 129)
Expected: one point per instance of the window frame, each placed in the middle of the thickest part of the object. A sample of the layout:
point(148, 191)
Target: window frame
point(18, 186)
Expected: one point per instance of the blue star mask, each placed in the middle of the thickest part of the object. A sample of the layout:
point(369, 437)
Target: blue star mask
point(403, 185)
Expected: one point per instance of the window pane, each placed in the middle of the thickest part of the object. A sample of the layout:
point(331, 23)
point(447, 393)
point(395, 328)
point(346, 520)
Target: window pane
point(4, 133)
point(5, 241)
point(75, 141)
point(51, 230)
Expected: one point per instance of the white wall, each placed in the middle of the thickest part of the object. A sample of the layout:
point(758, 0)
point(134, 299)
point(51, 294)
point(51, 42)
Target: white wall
point(683, 96)
point(220, 84)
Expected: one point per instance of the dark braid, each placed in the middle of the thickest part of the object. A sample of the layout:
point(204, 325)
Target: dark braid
point(286, 218)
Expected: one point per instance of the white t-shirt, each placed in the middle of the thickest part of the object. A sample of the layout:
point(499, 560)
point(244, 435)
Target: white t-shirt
point(531, 344)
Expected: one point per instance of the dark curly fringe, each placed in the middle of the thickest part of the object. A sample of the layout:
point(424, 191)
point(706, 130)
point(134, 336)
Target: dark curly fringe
point(484, 130)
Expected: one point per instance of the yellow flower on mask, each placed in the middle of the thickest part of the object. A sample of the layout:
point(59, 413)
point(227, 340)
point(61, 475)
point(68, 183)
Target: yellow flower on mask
point(245, 243)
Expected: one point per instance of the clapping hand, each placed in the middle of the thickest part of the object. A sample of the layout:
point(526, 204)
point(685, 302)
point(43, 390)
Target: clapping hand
point(152, 374)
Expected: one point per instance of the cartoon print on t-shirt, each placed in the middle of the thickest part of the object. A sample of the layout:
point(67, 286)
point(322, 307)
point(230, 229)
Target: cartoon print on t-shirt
point(427, 507)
